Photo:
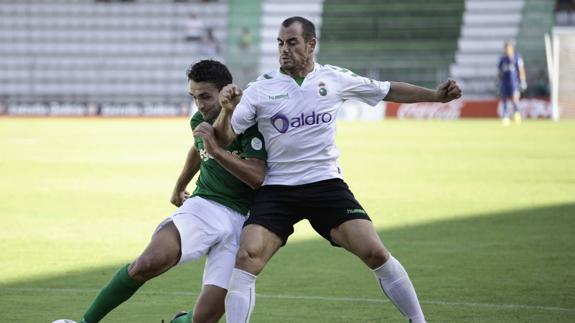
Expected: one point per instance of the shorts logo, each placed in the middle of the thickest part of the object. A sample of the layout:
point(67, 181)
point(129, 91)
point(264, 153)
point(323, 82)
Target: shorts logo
point(355, 211)
point(256, 143)
point(282, 123)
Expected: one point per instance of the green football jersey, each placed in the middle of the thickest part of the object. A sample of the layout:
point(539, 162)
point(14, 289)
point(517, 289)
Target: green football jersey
point(215, 182)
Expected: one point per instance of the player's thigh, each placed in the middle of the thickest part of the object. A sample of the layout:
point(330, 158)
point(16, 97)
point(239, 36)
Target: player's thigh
point(210, 304)
point(161, 254)
point(200, 223)
point(165, 243)
point(360, 238)
point(257, 245)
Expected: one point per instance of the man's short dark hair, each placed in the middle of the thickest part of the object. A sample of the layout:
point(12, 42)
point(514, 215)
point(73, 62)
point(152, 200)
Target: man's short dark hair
point(308, 29)
point(210, 71)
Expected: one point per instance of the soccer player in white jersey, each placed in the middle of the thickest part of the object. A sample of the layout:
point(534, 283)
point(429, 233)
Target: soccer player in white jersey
point(295, 108)
point(210, 220)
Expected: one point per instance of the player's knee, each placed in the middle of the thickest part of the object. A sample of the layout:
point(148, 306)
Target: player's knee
point(375, 256)
point(249, 260)
point(142, 268)
point(148, 266)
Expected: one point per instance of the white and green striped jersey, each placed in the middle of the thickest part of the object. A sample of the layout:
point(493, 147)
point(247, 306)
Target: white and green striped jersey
point(297, 120)
point(215, 182)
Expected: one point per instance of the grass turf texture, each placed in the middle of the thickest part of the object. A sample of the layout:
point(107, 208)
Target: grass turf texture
point(482, 216)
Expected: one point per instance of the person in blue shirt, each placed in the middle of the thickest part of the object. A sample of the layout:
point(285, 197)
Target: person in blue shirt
point(512, 81)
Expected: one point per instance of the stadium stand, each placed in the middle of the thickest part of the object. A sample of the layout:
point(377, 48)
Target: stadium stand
point(101, 51)
point(242, 46)
point(487, 24)
point(408, 40)
point(537, 20)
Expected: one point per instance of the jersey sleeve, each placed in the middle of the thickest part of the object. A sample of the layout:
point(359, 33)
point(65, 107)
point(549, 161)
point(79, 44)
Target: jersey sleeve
point(500, 65)
point(253, 145)
point(519, 61)
point(353, 86)
point(244, 115)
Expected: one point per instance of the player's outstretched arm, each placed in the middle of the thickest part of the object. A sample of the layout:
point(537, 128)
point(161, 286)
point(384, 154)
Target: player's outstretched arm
point(191, 167)
point(229, 97)
point(408, 93)
point(249, 170)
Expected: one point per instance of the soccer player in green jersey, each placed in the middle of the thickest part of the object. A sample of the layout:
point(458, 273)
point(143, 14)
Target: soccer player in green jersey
point(209, 221)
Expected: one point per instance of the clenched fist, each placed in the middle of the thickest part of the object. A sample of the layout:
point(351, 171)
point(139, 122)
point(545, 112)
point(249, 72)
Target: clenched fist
point(230, 96)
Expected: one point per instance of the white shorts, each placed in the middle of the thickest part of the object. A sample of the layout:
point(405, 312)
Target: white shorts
point(208, 228)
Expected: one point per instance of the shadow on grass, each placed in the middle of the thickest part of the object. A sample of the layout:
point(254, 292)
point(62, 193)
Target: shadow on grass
point(514, 266)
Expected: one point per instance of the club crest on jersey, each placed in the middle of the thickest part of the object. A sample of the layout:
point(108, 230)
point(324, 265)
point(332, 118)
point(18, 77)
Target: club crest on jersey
point(322, 89)
point(282, 123)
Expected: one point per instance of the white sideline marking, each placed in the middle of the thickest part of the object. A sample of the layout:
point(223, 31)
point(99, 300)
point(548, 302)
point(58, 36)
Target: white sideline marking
point(302, 297)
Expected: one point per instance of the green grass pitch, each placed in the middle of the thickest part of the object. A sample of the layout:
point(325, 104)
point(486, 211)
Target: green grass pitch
point(482, 216)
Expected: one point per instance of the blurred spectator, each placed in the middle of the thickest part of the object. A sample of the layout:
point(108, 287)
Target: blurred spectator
point(512, 81)
point(195, 28)
point(246, 39)
point(210, 45)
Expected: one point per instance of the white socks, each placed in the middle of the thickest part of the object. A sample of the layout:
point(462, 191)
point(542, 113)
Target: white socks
point(391, 276)
point(395, 284)
point(241, 297)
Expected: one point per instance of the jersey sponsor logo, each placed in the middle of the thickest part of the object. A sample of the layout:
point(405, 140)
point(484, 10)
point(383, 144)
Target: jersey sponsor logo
point(282, 123)
point(256, 143)
point(205, 156)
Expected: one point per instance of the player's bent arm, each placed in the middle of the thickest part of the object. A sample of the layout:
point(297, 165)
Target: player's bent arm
point(191, 167)
point(229, 98)
point(401, 92)
point(251, 171)
point(408, 93)
point(223, 128)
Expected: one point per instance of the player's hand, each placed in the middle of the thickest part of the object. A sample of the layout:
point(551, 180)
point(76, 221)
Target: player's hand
point(179, 197)
point(230, 96)
point(448, 91)
point(523, 85)
point(205, 131)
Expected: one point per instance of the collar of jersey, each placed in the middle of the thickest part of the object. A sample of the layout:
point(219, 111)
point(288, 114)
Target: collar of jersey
point(297, 79)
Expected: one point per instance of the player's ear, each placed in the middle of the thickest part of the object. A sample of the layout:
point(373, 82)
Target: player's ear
point(312, 43)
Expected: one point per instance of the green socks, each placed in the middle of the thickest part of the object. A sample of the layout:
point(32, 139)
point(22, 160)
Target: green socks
point(118, 290)
point(187, 318)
